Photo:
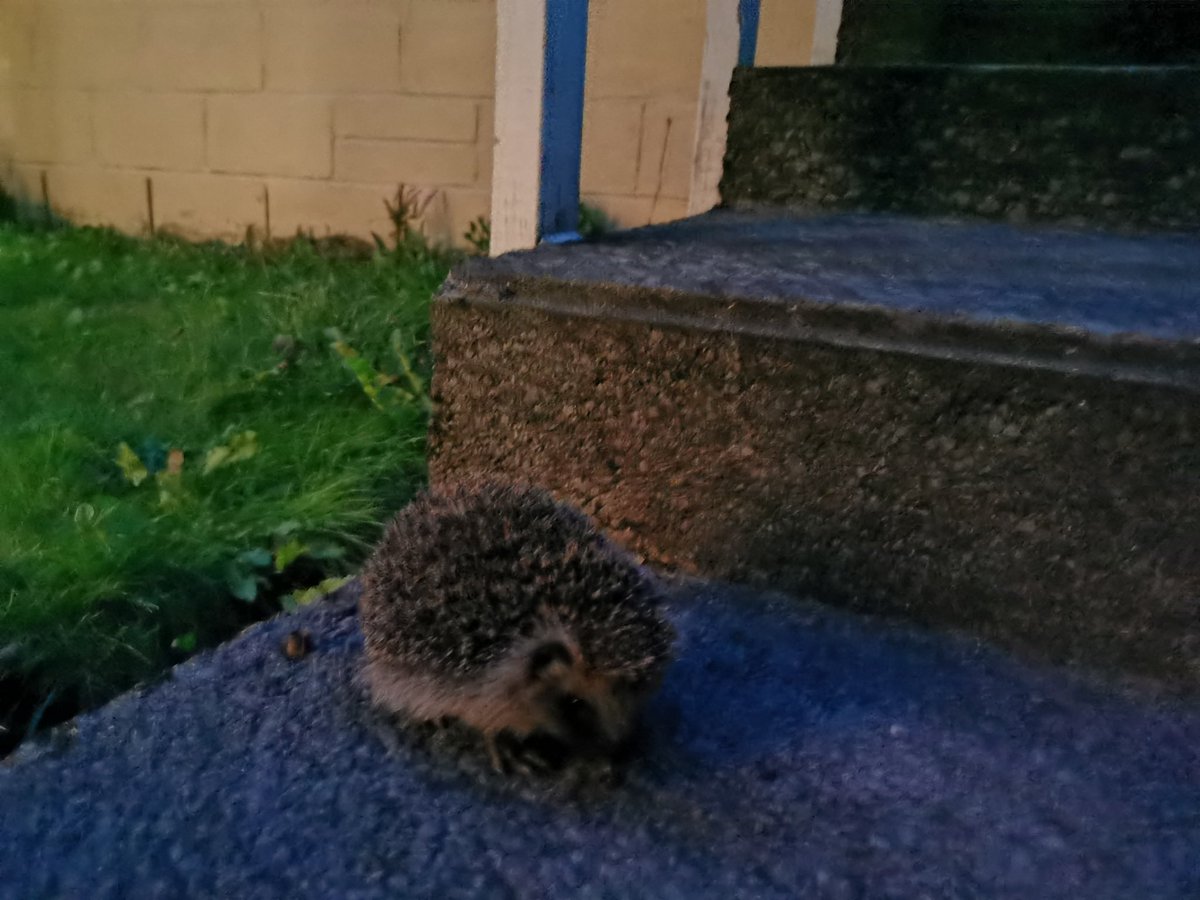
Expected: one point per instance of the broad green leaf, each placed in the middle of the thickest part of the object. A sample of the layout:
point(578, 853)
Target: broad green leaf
point(131, 465)
point(309, 595)
point(258, 557)
point(185, 642)
point(215, 458)
point(241, 446)
point(170, 488)
point(326, 550)
point(243, 585)
point(289, 553)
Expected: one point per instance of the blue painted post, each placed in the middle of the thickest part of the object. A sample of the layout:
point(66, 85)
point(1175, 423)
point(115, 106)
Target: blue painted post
point(747, 31)
point(562, 119)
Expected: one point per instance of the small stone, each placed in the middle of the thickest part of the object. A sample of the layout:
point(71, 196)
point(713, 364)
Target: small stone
point(297, 645)
point(1135, 153)
point(1018, 213)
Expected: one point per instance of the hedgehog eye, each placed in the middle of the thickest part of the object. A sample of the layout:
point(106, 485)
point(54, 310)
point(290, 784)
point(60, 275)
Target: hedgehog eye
point(576, 712)
point(548, 658)
point(635, 684)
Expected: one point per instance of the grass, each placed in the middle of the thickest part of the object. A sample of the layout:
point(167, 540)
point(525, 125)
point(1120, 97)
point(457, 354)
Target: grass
point(190, 436)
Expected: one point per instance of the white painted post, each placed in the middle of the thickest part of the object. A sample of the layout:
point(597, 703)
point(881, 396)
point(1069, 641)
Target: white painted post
point(729, 40)
point(826, 24)
point(540, 63)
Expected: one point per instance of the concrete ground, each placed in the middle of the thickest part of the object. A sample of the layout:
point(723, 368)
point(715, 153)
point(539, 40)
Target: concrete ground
point(795, 751)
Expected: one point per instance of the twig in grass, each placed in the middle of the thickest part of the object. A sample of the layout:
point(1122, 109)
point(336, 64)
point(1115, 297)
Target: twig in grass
point(36, 718)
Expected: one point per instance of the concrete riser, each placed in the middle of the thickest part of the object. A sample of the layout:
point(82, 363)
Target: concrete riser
point(1098, 147)
point(1049, 512)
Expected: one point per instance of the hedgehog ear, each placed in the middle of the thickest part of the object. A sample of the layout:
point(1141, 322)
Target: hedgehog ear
point(549, 661)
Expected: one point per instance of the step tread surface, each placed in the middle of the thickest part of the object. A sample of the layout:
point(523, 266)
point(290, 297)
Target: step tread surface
point(1100, 284)
point(794, 751)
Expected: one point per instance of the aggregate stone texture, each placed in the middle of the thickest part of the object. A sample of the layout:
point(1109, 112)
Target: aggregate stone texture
point(794, 751)
point(1049, 32)
point(976, 427)
point(1117, 147)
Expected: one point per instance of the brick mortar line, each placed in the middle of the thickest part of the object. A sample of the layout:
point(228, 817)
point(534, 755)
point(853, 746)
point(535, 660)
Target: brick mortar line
point(443, 142)
point(225, 173)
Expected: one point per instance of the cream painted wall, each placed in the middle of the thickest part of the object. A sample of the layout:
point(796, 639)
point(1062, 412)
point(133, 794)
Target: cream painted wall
point(286, 114)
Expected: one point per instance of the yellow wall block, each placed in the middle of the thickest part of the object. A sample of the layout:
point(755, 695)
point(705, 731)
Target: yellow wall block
point(202, 46)
point(645, 48)
point(332, 47)
point(612, 131)
point(416, 162)
point(668, 141)
point(92, 195)
point(406, 117)
point(449, 47)
point(156, 131)
point(50, 126)
point(324, 207)
point(270, 134)
point(198, 205)
point(89, 45)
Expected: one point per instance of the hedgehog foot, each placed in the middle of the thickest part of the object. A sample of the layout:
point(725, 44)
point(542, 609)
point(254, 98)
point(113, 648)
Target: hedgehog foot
point(509, 754)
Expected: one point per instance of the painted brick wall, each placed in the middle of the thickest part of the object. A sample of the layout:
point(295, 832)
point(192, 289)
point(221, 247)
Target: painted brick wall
point(286, 114)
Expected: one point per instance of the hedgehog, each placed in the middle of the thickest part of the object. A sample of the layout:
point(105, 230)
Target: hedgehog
point(497, 607)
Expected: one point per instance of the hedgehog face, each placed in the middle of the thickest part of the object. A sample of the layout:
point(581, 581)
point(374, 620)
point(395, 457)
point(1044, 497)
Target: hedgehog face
point(591, 713)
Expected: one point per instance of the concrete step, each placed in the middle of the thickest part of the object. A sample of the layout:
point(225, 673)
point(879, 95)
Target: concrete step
point(794, 752)
point(976, 426)
point(1049, 32)
point(1108, 147)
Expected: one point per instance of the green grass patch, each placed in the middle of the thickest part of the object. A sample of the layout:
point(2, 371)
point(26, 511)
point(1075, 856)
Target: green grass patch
point(190, 437)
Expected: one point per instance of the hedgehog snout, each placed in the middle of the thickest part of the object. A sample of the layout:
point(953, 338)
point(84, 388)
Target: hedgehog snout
point(585, 710)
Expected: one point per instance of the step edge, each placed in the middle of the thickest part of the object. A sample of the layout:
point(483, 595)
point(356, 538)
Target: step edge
point(1134, 359)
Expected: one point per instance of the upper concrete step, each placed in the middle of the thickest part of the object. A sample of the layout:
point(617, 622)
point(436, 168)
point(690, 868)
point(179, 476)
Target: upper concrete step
point(1051, 32)
point(1112, 147)
point(979, 426)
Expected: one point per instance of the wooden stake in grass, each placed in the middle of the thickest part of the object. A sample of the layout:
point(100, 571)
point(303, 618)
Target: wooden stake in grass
point(150, 204)
point(267, 212)
point(45, 197)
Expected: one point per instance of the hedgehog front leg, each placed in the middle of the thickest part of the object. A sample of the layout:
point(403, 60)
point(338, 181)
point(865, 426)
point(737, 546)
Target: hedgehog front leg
point(492, 741)
point(509, 754)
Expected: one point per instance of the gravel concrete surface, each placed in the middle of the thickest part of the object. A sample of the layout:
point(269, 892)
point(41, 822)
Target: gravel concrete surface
point(795, 751)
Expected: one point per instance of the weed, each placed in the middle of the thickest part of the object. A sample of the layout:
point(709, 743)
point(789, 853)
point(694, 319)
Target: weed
point(593, 222)
point(479, 235)
point(405, 211)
